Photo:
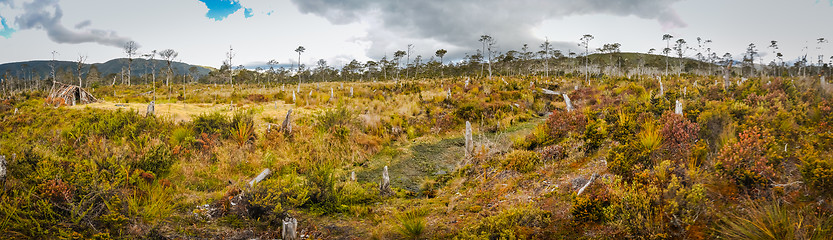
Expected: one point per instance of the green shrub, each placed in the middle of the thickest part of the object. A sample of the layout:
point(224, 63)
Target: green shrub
point(157, 160)
point(818, 173)
point(212, 123)
point(524, 222)
point(594, 135)
point(522, 161)
point(411, 224)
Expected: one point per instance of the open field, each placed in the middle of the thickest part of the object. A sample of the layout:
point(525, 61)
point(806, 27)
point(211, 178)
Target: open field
point(620, 160)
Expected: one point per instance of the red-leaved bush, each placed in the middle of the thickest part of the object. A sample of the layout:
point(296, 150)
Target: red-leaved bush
point(746, 161)
point(679, 134)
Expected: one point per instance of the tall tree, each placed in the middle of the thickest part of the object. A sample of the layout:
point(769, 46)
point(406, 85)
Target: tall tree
point(169, 55)
point(130, 49)
point(397, 57)
point(229, 57)
point(680, 48)
point(441, 53)
point(749, 57)
point(271, 72)
point(151, 56)
point(408, 59)
point(774, 46)
point(667, 50)
point(546, 49)
point(585, 42)
point(52, 69)
point(299, 50)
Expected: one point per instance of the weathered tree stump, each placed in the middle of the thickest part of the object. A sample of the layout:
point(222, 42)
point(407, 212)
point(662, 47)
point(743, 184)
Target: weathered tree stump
point(286, 127)
point(678, 108)
point(150, 111)
point(384, 186)
point(289, 229)
point(469, 140)
point(263, 174)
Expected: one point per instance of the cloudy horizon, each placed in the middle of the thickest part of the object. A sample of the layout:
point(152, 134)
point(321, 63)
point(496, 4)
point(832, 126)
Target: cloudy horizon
point(339, 31)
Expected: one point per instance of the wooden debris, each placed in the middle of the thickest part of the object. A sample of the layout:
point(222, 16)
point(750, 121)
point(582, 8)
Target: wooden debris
point(263, 174)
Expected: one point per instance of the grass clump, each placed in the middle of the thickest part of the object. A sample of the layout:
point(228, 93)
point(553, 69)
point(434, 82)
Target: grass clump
point(522, 161)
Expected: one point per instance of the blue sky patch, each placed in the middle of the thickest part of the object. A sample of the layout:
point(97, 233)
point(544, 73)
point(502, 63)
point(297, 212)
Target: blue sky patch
point(220, 9)
point(247, 12)
point(6, 31)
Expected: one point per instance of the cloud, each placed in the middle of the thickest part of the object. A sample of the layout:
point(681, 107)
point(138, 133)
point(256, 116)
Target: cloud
point(220, 9)
point(37, 15)
point(460, 23)
point(85, 23)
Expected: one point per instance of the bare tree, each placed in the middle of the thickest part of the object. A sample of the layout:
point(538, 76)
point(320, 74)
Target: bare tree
point(408, 59)
point(52, 68)
point(585, 42)
point(80, 68)
point(130, 49)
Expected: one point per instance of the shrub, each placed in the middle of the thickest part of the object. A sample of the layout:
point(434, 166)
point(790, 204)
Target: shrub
point(746, 162)
point(522, 161)
point(553, 153)
point(589, 208)
point(213, 123)
point(157, 160)
point(271, 197)
point(411, 224)
point(561, 123)
point(772, 220)
point(524, 222)
point(818, 173)
point(678, 135)
point(595, 134)
point(470, 111)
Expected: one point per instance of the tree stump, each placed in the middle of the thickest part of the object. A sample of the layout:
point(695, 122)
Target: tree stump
point(469, 140)
point(286, 127)
point(289, 229)
point(384, 186)
point(678, 108)
point(150, 111)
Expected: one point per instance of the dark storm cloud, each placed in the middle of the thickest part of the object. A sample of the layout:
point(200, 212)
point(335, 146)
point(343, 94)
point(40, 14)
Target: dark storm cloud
point(47, 14)
point(460, 23)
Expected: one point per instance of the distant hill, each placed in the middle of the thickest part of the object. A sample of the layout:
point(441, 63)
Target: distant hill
point(140, 67)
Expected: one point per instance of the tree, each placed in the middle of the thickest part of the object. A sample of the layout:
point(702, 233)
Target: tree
point(749, 57)
point(130, 49)
point(667, 38)
point(152, 64)
point(545, 51)
point(169, 55)
point(441, 53)
point(229, 57)
point(271, 70)
point(774, 46)
point(680, 48)
point(585, 42)
point(52, 69)
point(819, 48)
point(299, 50)
point(80, 67)
point(490, 45)
point(408, 59)
point(397, 57)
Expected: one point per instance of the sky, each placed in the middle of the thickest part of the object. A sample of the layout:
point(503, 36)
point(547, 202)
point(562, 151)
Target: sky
point(256, 31)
